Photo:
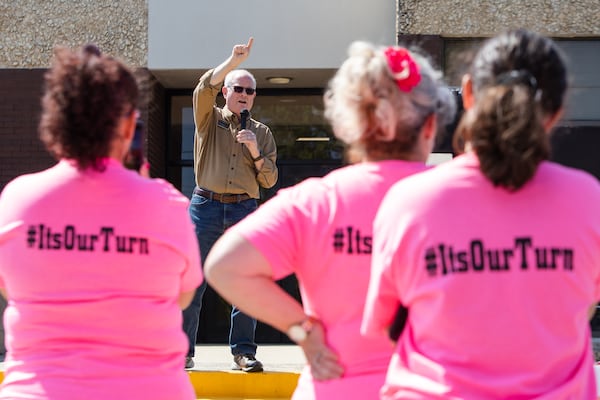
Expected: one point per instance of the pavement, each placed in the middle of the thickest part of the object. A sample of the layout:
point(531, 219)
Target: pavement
point(213, 378)
point(275, 358)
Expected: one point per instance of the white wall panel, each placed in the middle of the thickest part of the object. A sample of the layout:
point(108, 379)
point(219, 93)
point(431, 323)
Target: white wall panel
point(199, 34)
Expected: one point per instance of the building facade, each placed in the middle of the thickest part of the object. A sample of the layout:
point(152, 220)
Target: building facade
point(303, 41)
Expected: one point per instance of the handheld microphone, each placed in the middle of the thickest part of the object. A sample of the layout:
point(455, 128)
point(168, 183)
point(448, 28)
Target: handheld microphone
point(243, 118)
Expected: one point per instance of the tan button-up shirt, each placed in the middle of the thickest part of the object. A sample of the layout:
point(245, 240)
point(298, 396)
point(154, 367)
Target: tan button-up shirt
point(221, 164)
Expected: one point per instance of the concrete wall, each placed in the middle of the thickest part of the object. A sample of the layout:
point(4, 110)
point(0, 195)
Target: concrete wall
point(468, 18)
point(31, 28)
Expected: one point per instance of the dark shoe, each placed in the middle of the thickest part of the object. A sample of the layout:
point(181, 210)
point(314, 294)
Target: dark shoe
point(246, 363)
point(189, 362)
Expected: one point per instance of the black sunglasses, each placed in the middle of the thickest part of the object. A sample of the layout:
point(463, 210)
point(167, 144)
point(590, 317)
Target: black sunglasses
point(240, 89)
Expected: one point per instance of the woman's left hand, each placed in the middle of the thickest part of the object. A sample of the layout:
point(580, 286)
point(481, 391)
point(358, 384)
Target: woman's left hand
point(323, 360)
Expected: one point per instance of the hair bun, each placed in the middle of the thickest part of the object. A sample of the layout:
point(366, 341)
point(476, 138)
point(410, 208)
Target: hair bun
point(91, 49)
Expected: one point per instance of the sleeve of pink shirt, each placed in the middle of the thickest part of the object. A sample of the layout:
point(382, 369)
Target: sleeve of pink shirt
point(382, 298)
point(596, 208)
point(281, 227)
point(393, 252)
point(192, 276)
point(183, 239)
point(8, 230)
point(591, 186)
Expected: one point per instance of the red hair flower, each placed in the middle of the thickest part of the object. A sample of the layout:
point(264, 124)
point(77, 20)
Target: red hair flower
point(404, 69)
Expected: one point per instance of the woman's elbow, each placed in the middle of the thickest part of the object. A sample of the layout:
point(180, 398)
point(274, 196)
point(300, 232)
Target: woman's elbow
point(215, 273)
point(185, 299)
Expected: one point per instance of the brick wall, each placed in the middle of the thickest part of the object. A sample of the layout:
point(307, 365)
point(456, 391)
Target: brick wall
point(21, 150)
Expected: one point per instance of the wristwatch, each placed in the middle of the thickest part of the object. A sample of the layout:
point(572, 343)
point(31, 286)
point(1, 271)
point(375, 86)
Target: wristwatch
point(260, 157)
point(299, 332)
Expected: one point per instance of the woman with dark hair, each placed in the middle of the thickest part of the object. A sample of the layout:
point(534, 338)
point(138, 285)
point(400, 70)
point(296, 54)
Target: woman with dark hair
point(495, 254)
point(96, 261)
point(386, 105)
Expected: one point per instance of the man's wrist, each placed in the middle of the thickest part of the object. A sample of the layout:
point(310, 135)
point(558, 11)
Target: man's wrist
point(259, 157)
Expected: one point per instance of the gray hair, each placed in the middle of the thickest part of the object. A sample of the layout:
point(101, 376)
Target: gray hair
point(363, 97)
point(238, 73)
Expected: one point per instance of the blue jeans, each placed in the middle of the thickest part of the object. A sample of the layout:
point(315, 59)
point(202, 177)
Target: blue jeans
point(211, 219)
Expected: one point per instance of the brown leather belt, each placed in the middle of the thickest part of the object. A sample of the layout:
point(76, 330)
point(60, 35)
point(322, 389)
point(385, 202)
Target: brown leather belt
point(221, 197)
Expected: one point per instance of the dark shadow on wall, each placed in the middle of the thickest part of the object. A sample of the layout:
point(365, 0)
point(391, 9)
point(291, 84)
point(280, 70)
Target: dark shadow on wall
point(577, 147)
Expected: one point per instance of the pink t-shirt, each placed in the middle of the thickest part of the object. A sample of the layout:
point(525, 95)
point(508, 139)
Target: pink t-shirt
point(320, 230)
point(498, 284)
point(93, 264)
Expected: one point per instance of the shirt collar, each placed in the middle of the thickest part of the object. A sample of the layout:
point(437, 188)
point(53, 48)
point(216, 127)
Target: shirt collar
point(229, 116)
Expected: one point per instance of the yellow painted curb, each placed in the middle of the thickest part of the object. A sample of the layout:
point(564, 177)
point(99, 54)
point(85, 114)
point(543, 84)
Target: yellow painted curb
point(258, 385)
point(242, 398)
